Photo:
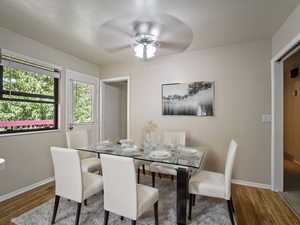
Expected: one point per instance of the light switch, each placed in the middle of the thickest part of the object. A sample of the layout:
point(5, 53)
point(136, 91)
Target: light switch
point(266, 118)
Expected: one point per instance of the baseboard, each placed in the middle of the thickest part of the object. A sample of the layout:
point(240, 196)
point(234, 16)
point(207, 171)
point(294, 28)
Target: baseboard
point(252, 184)
point(25, 189)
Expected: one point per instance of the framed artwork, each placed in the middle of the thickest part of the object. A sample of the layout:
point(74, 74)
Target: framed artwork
point(188, 99)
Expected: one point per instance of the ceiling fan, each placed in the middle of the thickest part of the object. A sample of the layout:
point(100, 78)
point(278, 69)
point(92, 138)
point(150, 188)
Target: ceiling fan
point(147, 36)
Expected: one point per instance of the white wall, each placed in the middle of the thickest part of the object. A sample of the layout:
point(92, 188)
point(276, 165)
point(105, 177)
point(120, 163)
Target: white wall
point(287, 31)
point(242, 77)
point(28, 157)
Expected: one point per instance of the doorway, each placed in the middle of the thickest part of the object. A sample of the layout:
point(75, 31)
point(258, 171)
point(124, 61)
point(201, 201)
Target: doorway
point(114, 124)
point(291, 71)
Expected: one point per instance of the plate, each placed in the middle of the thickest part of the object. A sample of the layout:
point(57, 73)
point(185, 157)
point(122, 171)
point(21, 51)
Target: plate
point(126, 141)
point(188, 151)
point(160, 154)
point(130, 149)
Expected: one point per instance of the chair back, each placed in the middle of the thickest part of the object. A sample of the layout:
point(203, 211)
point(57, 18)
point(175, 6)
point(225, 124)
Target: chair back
point(120, 187)
point(67, 173)
point(174, 138)
point(229, 166)
point(78, 139)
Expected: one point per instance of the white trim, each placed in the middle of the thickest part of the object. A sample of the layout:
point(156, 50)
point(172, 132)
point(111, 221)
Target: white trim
point(25, 189)
point(277, 149)
point(115, 79)
point(251, 184)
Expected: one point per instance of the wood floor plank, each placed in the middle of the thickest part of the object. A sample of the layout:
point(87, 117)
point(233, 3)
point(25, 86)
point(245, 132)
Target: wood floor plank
point(253, 206)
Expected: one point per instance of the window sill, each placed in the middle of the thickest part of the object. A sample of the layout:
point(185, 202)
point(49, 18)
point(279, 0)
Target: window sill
point(33, 132)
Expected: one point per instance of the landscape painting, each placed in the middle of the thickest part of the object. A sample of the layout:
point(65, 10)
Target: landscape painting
point(188, 99)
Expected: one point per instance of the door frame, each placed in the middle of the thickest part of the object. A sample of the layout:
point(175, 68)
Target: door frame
point(84, 78)
point(277, 137)
point(111, 80)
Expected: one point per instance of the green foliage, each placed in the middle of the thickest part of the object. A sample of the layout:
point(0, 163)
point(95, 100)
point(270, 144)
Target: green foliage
point(28, 82)
point(83, 107)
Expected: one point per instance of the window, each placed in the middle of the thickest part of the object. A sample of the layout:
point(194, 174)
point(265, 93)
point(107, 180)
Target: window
point(28, 97)
point(82, 102)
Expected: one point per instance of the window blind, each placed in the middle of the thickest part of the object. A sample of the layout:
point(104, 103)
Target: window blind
point(17, 61)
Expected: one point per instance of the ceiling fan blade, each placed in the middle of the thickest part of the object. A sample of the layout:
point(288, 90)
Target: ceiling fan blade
point(173, 45)
point(118, 48)
point(117, 29)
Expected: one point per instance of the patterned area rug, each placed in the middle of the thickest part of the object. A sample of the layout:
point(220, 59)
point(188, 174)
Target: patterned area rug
point(207, 211)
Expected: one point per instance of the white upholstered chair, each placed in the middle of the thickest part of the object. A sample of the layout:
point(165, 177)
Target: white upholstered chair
point(177, 138)
point(212, 184)
point(122, 195)
point(78, 139)
point(70, 181)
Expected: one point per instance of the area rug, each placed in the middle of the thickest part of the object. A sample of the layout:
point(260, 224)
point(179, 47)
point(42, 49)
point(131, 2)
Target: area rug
point(207, 211)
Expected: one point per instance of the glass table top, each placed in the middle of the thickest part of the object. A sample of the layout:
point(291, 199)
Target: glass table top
point(181, 156)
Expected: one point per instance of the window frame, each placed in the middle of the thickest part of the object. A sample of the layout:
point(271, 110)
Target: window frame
point(24, 94)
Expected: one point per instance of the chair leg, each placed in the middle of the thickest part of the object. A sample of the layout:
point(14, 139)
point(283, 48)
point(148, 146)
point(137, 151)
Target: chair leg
point(55, 208)
point(144, 170)
point(85, 202)
point(106, 215)
point(153, 179)
point(156, 213)
point(133, 222)
point(190, 206)
point(230, 212)
point(78, 213)
point(231, 203)
point(138, 175)
point(194, 200)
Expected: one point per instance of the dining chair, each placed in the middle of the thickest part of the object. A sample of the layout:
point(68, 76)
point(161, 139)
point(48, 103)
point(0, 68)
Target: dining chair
point(212, 184)
point(78, 139)
point(70, 181)
point(122, 195)
point(170, 138)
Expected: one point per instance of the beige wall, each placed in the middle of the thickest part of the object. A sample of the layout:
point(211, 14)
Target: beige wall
point(28, 158)
point(287, 31)
point(114, 110)
point(242, 78)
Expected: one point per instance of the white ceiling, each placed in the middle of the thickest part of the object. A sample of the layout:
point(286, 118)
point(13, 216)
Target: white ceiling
point(72, 25)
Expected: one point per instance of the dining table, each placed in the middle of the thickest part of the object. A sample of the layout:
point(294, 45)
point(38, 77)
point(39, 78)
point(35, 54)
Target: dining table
point(181, 160)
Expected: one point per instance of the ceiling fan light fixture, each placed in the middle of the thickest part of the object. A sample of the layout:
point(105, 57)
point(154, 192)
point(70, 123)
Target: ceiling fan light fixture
point(144, 51)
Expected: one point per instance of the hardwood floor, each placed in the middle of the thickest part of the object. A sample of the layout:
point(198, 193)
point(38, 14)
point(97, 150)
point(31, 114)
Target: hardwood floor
point(22, 203)
point(253, 206)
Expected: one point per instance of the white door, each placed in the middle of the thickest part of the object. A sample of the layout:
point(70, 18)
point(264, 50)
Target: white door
point(82, 99)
